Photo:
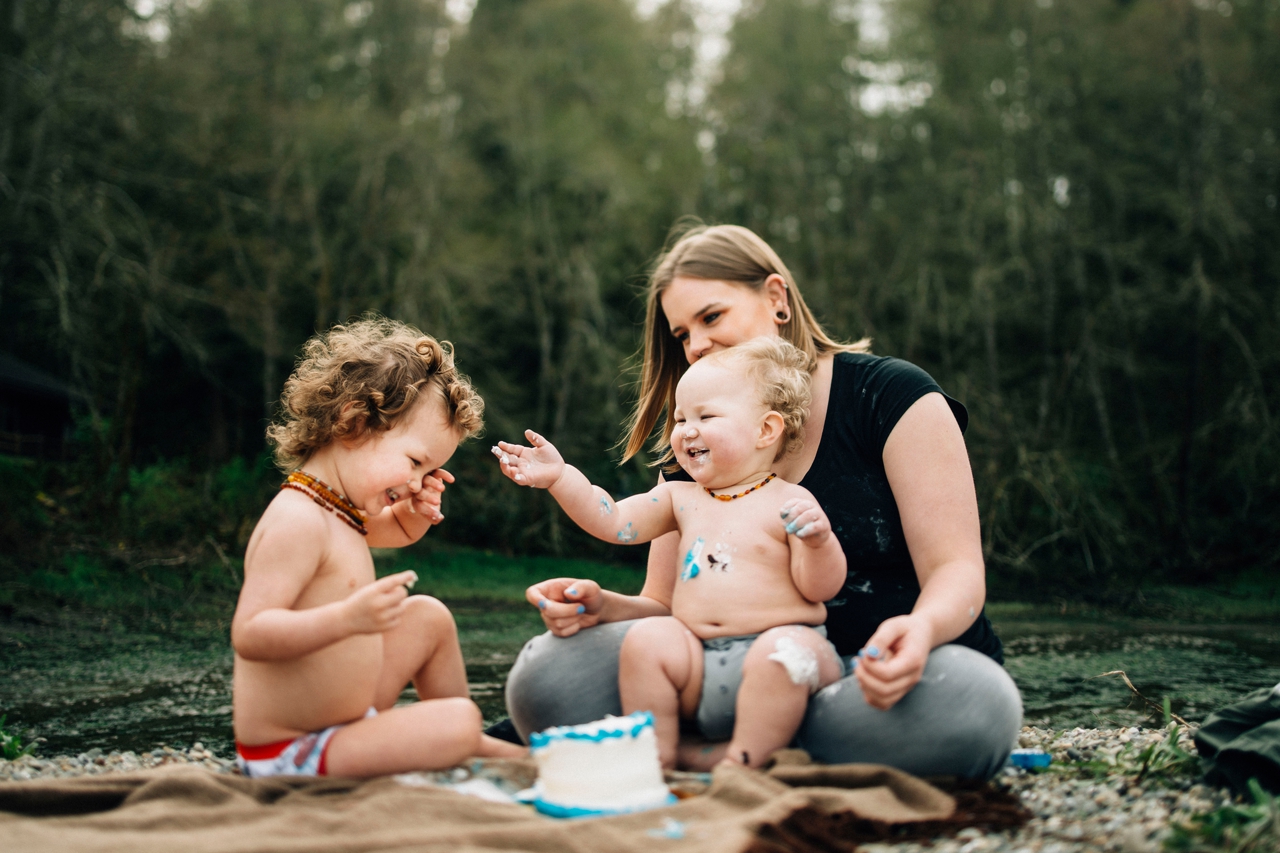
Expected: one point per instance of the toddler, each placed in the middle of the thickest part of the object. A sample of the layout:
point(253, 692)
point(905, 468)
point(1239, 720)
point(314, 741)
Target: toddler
point(322, 648)
point(743, 648)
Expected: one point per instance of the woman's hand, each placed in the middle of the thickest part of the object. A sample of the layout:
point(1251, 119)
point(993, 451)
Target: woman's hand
point(567, 605)
point(424, 500)
point(893, 659)
point(540, 466)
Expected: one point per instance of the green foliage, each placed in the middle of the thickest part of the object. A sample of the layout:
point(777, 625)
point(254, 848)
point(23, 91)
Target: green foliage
point(1164, 760)
point(1066, 212)
point(11, 746)
point(1233, 828)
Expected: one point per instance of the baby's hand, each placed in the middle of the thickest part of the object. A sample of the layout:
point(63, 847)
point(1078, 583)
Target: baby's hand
point(540, 466)
point(424, 498)
point(806, 521)
point(379, 606)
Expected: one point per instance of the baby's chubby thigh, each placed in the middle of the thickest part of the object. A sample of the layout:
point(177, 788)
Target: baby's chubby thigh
point(799, 651)
point(658, 651)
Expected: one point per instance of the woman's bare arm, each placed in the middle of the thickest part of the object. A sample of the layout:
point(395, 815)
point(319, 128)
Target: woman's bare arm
point(928, 470)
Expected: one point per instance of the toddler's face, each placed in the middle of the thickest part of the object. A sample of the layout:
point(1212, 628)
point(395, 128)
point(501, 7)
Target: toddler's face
point(377, 471)
point(718, 421)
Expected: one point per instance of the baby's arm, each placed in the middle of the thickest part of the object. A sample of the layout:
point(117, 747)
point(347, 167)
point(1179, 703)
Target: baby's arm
point(282, 560)
point(818, 565)
point(630, 521)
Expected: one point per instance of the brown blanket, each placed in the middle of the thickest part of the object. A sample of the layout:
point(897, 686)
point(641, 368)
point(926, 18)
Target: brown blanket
point(792, 808)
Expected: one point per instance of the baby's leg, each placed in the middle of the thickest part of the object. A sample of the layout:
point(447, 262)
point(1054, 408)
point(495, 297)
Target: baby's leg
point(660, 671)
point(784, 667)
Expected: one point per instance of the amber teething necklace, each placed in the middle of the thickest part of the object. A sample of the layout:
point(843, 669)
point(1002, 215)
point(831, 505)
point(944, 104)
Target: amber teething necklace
point(320, 492)
point(739, 494)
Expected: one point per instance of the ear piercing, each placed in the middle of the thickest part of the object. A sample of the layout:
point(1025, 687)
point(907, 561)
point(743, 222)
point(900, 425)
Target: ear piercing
point(784, 316)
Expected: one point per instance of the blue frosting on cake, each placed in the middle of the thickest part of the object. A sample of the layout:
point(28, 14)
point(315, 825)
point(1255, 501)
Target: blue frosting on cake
point(628, 726)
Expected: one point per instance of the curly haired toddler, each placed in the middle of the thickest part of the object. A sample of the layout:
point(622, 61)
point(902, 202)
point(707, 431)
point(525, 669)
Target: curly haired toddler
point(323, 648)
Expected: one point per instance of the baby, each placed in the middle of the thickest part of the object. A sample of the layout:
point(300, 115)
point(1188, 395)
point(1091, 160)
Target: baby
point(322, 648)
point(743, 649)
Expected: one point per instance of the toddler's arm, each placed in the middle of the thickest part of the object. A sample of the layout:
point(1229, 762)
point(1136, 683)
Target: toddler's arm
point(818, 565)
point(408, 520)
point(278, 567)
point(630, 521)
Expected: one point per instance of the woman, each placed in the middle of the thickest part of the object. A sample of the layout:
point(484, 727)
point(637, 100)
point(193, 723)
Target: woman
point(884, 455)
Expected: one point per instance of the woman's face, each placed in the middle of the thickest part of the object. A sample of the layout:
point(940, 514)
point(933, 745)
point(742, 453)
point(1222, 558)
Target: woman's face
point(706, 315)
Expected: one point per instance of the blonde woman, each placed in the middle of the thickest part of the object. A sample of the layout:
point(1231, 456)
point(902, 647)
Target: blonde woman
point(883, 454)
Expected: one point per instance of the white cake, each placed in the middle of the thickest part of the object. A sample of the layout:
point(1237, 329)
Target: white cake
point(607, 767)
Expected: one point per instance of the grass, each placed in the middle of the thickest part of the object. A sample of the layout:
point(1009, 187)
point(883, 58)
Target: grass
point(11, 746)
point(1233, 828)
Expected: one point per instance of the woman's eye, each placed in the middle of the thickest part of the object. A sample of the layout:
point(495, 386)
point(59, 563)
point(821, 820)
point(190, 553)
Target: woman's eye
point(711, 318)
point(681, 336)
point(415, 462)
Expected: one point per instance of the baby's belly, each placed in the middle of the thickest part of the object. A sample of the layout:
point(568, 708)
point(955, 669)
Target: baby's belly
point(278, 700)
point(709, 615)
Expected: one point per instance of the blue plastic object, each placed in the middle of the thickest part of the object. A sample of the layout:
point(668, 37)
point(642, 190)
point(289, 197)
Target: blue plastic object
point(1029, 758)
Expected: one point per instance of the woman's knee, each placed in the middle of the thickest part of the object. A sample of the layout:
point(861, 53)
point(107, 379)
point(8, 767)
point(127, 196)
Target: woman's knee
point(560, 681)
point(961, 719)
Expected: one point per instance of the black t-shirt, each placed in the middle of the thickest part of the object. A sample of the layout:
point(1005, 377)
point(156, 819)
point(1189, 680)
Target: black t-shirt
point(868, 396)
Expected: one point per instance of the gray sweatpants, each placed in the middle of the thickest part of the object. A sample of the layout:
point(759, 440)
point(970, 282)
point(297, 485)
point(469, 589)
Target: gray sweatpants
point(962, 719)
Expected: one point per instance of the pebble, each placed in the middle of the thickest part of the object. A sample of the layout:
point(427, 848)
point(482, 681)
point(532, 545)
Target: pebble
point(1073, 811)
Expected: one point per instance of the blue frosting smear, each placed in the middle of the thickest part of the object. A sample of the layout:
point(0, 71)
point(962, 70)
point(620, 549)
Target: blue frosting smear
point(628, 726)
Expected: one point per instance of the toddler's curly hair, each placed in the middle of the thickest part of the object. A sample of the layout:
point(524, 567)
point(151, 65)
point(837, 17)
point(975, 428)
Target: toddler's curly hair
point(782, 373)
point(361, 378)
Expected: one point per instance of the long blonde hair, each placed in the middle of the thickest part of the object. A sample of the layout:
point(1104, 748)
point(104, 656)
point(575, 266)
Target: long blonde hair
point(715, 253)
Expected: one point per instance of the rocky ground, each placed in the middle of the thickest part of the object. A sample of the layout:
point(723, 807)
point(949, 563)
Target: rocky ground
point(1095, 796)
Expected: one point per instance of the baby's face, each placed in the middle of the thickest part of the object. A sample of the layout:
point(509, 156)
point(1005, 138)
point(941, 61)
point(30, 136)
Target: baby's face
point(718, 423)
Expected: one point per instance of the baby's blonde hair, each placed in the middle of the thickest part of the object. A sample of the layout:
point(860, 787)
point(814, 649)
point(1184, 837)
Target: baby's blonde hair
point(361, 378)
point(782, 373)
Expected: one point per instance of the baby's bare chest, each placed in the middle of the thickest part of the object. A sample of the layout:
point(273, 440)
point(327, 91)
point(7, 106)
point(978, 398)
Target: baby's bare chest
point(720, 538)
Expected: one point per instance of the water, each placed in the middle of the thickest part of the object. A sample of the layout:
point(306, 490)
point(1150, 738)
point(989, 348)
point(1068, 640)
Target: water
point(80, 689)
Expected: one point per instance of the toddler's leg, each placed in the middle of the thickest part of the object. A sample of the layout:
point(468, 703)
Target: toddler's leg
point(424, 649)
point(783, 668)
point(429, 735)
point(660, 671)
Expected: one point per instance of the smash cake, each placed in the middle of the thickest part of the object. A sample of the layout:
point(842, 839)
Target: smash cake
point(607, 767)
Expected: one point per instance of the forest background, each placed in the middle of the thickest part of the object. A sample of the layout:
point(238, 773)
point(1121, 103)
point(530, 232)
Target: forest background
point(1064, 211)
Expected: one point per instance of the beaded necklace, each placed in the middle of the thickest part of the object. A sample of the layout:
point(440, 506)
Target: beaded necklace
point(320, 492)
point(739, 494)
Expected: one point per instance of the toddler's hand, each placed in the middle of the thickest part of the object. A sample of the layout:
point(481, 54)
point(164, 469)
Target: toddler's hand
point(379, 606)
point(567, 605)
point(424, 498)
point(806, 521)
point(540, 466)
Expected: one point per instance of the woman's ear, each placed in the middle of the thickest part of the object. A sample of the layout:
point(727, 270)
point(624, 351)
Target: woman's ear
point(771, 427)
point(778, 296)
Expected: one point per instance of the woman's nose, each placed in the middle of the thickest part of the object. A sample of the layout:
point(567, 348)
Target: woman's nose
point(699, 345)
